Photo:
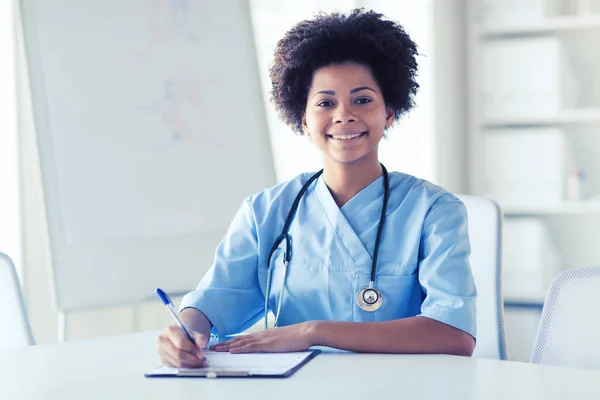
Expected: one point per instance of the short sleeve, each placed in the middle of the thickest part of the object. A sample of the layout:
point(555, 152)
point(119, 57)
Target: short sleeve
point(229, 294)
point(444, 270)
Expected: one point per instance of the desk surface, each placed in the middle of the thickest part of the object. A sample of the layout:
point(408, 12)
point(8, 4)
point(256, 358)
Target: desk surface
point(113, 368)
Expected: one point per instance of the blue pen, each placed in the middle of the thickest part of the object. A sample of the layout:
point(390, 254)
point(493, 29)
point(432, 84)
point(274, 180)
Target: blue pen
point(167, 302)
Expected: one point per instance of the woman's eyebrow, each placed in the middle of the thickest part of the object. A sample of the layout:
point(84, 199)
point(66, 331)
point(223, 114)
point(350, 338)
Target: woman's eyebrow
point(332, 93)
point(358, 89)
point(329, 92)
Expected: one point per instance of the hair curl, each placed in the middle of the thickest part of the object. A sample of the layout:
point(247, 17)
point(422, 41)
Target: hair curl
point(363, 37)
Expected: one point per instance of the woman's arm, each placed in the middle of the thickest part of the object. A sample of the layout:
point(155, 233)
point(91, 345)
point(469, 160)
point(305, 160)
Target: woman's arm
point(408, 335)
point(195, 320)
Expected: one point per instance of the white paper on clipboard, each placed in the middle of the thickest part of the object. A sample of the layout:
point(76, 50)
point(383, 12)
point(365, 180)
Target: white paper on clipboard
point(241, 365)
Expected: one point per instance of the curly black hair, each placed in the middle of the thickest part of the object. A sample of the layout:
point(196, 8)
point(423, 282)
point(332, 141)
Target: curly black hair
point(363, 37)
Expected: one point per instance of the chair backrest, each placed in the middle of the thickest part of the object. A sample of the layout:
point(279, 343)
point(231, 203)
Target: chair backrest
point(15, 330)
point(485, 234)
point(569, 330)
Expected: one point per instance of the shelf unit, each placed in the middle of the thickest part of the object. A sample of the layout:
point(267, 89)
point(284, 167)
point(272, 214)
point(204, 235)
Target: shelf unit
point(571, 224)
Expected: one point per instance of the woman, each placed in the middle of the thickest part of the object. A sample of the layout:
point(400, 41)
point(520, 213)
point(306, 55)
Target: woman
point(354, 257)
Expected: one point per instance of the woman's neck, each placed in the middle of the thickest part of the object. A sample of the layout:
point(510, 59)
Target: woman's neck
point(345, 180)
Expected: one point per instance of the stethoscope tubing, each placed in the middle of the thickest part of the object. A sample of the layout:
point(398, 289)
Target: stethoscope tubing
point(288, 245)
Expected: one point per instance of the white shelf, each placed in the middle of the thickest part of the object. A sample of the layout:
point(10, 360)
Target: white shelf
point(523, 302)
point(568, 208)
point(565, 117)
point(550, 25)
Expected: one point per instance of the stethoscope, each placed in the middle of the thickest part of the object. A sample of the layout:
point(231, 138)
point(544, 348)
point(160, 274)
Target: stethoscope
point(368, 298)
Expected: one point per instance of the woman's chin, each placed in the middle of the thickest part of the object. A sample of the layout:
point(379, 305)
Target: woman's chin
point(346, 157)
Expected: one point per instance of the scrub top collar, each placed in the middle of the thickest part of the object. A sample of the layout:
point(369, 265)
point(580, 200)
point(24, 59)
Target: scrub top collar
point(352, 243)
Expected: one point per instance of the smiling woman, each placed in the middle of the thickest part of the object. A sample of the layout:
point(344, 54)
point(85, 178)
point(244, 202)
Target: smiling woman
point(380, 261)
point(412, 146)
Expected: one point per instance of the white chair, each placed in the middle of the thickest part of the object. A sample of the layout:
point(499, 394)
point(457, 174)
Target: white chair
point(569, 329)
point(485, 234)
point(15, 330)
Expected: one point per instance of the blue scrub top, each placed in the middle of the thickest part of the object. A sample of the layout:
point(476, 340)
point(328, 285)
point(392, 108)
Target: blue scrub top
point(422, 267)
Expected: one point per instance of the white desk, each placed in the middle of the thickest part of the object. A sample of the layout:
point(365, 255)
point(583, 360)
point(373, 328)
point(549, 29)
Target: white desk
point(113, 368)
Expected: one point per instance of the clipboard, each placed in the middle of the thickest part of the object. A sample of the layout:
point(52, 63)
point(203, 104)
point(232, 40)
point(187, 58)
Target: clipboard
point(251, 365)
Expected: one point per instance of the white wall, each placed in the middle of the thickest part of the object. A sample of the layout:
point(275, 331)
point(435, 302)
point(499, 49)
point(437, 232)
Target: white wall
point(450, 94)
point(10, 224)
point(413, 147)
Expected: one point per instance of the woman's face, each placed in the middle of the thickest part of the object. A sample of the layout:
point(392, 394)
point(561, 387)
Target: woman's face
point(345, 113)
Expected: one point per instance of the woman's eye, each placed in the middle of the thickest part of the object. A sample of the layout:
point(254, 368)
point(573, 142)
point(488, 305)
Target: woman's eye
point(363, 100)
point(324, 103)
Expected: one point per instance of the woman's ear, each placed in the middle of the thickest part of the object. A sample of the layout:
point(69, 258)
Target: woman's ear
point(304, 125)
point(389, 117)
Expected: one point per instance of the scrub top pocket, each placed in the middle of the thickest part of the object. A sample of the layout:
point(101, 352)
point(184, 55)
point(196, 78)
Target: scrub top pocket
point(314, 290)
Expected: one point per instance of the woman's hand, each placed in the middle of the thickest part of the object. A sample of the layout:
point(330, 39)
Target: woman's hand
point(176, 351)
point(290, 338)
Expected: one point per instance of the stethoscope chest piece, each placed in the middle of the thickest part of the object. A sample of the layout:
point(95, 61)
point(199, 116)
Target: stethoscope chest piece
point(369, 299)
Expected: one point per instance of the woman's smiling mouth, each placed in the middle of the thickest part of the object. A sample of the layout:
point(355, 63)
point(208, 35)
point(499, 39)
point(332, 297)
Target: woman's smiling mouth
point(346, 135)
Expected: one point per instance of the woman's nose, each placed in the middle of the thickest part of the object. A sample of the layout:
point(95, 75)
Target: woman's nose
point(344, 115)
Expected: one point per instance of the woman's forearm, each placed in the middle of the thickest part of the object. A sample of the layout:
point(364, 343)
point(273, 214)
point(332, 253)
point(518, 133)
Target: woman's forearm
point(196, 321)
point(408, 335)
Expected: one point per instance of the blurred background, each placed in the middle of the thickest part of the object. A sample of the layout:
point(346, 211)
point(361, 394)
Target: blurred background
point(508, 108)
